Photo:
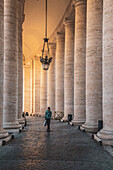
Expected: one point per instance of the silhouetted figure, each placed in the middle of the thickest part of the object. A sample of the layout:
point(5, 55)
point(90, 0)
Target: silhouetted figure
point(48, 115)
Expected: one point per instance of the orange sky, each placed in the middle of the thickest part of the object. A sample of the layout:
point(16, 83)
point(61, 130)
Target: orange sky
point(33, 27)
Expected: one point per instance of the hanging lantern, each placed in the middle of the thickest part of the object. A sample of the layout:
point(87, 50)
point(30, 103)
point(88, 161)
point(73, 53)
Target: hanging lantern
point(45, 59)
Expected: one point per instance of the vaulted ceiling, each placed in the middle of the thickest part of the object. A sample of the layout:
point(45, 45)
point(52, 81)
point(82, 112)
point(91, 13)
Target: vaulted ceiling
point(33, 28)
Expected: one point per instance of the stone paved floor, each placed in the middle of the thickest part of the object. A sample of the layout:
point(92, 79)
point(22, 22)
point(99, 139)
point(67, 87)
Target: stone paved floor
point(64, 148)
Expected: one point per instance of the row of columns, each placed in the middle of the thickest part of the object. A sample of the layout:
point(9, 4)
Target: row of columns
point(11, 76)
point(39, 85)
point(80, 80)
point(32, 92)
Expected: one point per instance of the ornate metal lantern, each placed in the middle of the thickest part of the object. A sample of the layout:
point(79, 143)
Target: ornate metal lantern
point(45, 59)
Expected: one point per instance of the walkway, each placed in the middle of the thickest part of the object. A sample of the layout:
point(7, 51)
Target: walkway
point(64, 148)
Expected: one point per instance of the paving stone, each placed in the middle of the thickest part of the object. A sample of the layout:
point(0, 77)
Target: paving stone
point(64, 148)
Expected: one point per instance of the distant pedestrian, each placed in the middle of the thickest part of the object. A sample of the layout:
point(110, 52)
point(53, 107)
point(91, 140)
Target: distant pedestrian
point(48, 115)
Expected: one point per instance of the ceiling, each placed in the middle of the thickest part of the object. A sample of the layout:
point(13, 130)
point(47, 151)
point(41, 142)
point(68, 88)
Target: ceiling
point(33, 27)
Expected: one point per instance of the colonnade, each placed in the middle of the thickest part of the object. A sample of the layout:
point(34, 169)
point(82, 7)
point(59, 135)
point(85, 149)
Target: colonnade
point(80, 79)
point(11, 68)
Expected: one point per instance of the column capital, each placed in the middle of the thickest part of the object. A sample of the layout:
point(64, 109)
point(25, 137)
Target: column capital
point(76, 3)
point(36, 57)
point(60, 36)
point(26, 66)
point(69, 22)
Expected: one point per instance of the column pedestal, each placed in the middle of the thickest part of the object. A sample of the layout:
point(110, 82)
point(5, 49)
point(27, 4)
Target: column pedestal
point(104, 137)
point(77, 123)
point(12, 127)
point(93, 128)
point(21, 121)
point(4, 137)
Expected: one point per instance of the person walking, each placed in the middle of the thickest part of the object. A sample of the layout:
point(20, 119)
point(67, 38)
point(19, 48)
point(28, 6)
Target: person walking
point(48, 115)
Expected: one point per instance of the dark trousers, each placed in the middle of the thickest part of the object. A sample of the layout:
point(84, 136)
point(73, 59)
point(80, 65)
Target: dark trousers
point(48, 124)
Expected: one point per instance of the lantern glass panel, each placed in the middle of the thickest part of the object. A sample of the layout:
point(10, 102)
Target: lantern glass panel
point(45, 66)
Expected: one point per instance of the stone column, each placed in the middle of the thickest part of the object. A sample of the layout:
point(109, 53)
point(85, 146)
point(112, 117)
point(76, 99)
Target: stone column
point(51, 79)
point(10, 65)
point(43, 92)
point(20, 62)
point(27, 93)
point(106, 134)
point(3, 134)
point(37, 71)
point(80, 63)
point(59, 89)
point(31, 87)
point(94, 65)
point(69, 69)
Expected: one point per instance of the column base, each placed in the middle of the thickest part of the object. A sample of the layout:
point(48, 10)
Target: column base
point(12, 127)
point(42, 115)
point(4, 137)
point(5, 140)
point(64, 120)
point(76, 123)
point(104, 137)
point(21, 121)
point(36, 114)
point(32, 114)
point(89, 128)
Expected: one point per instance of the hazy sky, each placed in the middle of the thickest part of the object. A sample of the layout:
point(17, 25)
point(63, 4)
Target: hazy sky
point(34, 25)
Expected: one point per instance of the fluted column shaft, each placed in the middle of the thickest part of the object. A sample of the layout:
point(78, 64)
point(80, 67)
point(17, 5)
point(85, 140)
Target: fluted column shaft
point(10, 65)
point(106, 134)
point(51, 79)
point(80, 63)
point(3, 133)
point(94, 65)
point(43, 92)
point(31, 87)
point(20, 61)
point(37, 76)
point(69, 69)
point(27, 93)
point(59, 89)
